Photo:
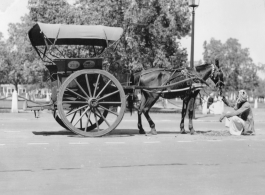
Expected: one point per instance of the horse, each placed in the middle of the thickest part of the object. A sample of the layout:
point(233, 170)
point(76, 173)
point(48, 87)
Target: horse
point(157, 82)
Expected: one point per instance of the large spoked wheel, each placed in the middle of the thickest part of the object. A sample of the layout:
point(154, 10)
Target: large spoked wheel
point(58, 119)
point(91, 102)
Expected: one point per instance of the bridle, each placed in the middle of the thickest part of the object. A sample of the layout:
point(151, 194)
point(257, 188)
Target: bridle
point(219, 83)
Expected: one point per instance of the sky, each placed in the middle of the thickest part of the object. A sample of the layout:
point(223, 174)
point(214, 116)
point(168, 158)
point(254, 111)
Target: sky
point(220, 19)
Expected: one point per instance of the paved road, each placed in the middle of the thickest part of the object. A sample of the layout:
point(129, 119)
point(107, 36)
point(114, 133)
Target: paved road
point(39, 157)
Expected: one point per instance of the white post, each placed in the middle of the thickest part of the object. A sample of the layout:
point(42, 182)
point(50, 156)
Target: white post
point(33, 96)
point(256, 103)
point(217, 106)
point(139, 96)
point(27, 96)
point(227, 122)
point(118, 109)
point(14, 107)
point(222, 107)
point(165, 103)
point(204, 106)
point(48, 98)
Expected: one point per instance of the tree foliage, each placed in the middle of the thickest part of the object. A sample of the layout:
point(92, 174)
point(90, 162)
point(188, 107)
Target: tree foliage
point(19, 64)
point(152, 28)
point(239, 70)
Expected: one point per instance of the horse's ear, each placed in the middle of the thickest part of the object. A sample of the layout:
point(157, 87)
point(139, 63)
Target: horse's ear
point(217, 63)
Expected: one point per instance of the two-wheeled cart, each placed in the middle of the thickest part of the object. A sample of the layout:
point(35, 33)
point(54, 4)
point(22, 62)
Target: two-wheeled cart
point(88, 100)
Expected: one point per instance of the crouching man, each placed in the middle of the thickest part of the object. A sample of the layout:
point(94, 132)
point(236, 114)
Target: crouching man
point(241, 121)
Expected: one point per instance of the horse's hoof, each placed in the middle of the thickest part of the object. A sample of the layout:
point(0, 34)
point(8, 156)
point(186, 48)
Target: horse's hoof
point(183, 132)
point(153, 132)
point(141, 132)
point(193, 133)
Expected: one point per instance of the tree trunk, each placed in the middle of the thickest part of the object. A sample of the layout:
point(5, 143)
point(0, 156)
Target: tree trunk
point(16, 86)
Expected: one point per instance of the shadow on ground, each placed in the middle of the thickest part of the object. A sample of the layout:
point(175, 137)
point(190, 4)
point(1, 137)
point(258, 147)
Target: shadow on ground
point(130, 132)
point(49, 133)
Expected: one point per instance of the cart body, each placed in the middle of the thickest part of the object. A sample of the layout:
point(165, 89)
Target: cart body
point(88, 100)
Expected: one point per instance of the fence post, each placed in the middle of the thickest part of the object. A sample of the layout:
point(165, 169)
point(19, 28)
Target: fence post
point(27, 96)
point(204, 106)
point(14, 107)
point(256, 103)
point(118, 109)
point(48, 98)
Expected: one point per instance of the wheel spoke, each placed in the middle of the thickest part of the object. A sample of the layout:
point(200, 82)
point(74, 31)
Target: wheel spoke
point(80, 120)
point(103, 117)
point(88, 86)
point(73, 117)
point(103, 88)
point(108, 110)
point(96, 86)
point(76, 93)
point(108, 95)
point(88, 119)
point(96, 119)
point(71, 111)
point(109, 102)
point(80, 87)
point(98, 115)
point(74, 102)
point(90, 122)
point(81, 115)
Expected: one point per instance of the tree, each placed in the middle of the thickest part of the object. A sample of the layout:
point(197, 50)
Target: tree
point(152, 28)
point(49, 11)
point(236, 63)
point(19, 64)
point(3, 52)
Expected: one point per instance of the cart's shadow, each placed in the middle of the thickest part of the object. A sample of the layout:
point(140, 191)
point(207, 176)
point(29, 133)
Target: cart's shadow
point(49, 133)
point(114, 133)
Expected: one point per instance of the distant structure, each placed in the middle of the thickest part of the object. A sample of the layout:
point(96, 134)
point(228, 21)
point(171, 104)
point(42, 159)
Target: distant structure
point(7, 90)
point(33, 3)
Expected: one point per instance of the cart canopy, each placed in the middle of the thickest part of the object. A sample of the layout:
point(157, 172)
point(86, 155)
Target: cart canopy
point(62, 34)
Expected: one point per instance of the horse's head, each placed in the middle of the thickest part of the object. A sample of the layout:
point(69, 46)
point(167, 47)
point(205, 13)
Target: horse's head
point(217, 76)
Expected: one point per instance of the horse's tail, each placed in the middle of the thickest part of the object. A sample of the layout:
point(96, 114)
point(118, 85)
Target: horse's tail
point(130, 101)
point(131, 97)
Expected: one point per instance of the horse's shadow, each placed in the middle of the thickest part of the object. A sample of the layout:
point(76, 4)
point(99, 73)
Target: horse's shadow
point(114, 133)
point(179, 133)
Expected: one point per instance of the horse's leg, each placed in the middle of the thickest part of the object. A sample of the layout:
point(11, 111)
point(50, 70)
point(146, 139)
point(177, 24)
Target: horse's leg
point(149, 103)
point(140, 127)
point(191, 110)
point(139, 112)
point(183, 114)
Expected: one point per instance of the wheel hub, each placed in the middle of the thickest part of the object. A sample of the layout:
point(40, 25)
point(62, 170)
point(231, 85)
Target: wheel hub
point(93, 102)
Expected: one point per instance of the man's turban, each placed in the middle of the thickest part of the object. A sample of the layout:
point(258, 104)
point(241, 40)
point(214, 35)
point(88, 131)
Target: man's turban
point(242, 96)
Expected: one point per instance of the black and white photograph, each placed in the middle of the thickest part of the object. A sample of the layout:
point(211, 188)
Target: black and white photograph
point(132, 97)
